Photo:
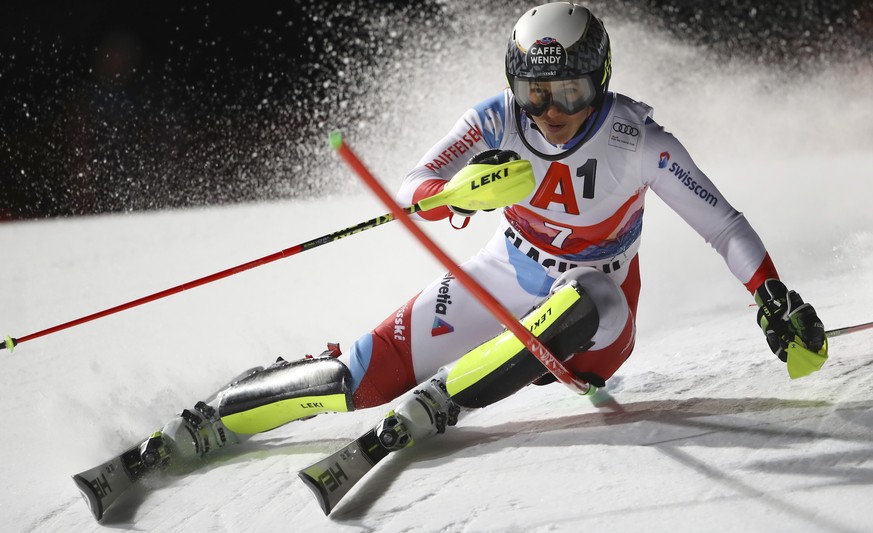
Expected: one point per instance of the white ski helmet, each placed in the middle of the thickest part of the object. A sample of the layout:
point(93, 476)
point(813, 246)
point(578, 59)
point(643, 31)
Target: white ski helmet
point(558, 55)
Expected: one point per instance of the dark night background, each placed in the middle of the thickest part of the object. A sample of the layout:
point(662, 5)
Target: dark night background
point(121, 106)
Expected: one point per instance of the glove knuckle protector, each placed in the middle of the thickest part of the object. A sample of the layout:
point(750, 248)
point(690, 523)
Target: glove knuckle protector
point(784, 318)
point(494, 157)
point(488, 157)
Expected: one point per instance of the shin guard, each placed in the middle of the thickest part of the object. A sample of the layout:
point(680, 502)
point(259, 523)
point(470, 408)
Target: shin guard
point(565, 323)
point(285, 392)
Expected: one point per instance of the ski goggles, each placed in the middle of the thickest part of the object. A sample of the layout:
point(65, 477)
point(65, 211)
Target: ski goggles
point(569, 96)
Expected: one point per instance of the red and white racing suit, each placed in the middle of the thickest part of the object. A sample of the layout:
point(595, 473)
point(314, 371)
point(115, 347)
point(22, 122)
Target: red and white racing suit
point(586, 211)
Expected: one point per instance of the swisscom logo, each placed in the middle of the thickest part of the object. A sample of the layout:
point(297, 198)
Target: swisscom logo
point(665, 160)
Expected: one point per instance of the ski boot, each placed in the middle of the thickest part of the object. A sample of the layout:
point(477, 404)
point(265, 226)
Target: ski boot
point(192, 434)
point(427, 412)
point(258, 400)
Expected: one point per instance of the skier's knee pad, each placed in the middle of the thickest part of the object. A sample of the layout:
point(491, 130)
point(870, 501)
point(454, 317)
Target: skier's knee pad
point(612, 308)
point(564, 322)
point(285, 392)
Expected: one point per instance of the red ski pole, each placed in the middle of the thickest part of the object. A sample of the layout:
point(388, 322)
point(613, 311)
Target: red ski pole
point(464, 192)
point(11, 343)
point(538, 349)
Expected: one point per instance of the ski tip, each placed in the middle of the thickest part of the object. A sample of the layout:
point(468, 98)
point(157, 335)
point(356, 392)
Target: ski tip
point(318, 490)
point(94, 502)
point(336, 140)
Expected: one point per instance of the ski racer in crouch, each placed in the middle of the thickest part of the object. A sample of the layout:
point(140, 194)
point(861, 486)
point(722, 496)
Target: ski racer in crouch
point(567, 253)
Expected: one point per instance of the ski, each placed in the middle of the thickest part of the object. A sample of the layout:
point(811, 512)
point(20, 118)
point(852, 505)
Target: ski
point(102, 485)
point(424, 413)
point(334, 476)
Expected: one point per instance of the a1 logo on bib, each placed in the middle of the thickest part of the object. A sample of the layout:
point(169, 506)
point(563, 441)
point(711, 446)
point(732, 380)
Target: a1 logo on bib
point(547, 52)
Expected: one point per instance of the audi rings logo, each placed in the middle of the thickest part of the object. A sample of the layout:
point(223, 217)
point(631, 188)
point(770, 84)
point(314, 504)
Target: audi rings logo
point(626, 129)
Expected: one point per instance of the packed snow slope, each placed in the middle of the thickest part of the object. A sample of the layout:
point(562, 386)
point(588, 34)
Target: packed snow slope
point(701, 430)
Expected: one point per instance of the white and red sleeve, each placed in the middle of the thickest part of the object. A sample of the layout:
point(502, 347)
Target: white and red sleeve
point(675, 178)
point(474, 132)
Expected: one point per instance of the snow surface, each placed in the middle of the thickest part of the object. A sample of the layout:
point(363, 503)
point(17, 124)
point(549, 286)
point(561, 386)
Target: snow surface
point(700, 431)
